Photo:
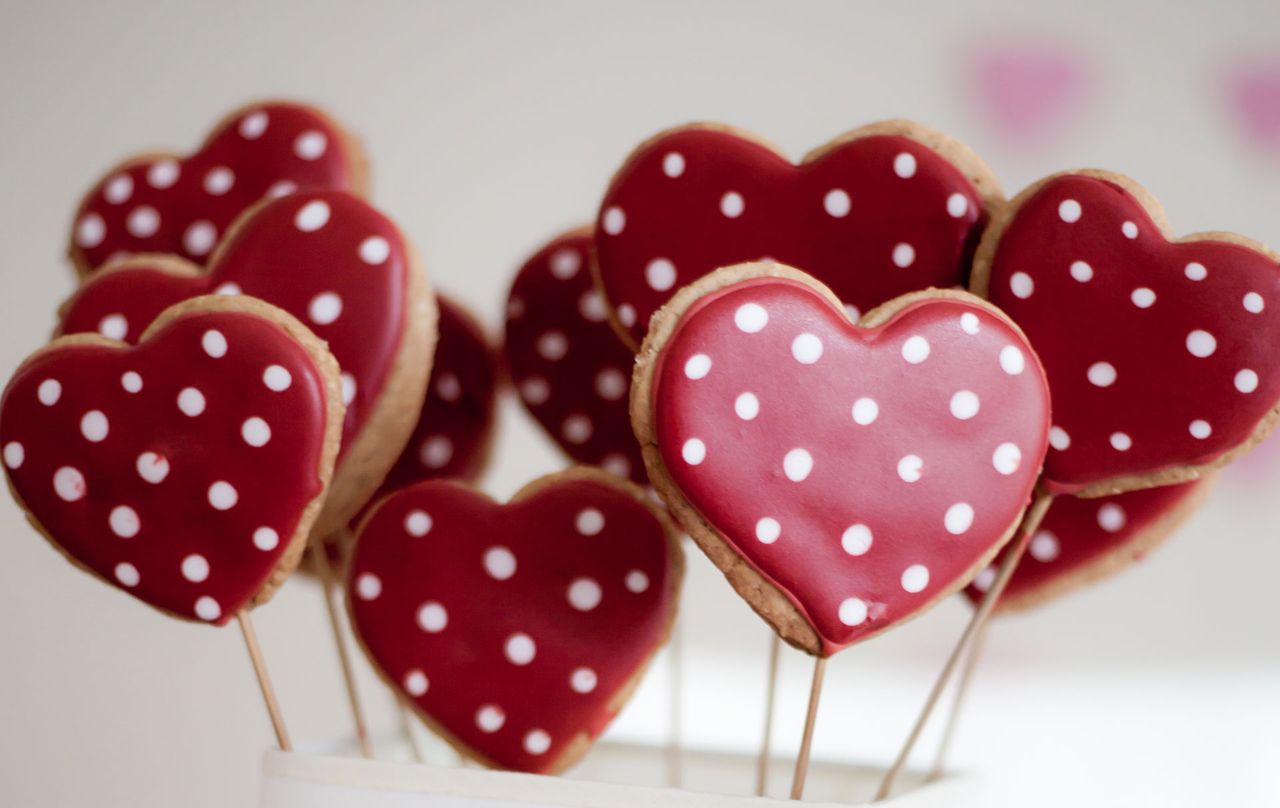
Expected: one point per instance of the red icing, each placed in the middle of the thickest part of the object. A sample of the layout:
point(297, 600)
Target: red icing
point(560, 543)
point(270, 257)
point(1159, 388)
point(784, 216)
point(571, 370)
point(181, 551)
point(1086, 537)
point(259, 152)
point(858, 475)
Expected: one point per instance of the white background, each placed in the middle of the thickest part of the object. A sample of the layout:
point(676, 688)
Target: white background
point(491, 127)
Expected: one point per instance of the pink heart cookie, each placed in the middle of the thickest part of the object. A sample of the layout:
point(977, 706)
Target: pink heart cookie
point(185, 470)
point(1160, 354)
point(165, 203)
point(339, 266)
point(843, 477)
point(572, 372)
point(517, 645)
point(878, 212)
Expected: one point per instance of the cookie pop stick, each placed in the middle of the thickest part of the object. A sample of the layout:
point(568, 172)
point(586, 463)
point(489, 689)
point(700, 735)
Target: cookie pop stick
point(331, 588)
point(264, 680)
point(771, 692)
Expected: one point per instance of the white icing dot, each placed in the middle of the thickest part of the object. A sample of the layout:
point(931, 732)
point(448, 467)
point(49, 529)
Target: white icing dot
point(1129, 229)
point(266, 539)
point(113, 326)
point(582, 680)
point(535, 390)
point(374, 250)
point(69, 483)
point(1253, 303)
point(957, 205)
point(768, 530)
point(746, 406)
point(856, 539)
point(1101, 374)
point(636, 582)
point(214, 343)
point(1143, 297)
point(904, 165)
point(797, 464)
point(1069, 210)
point(143, 221)
point(348, 383)
point(959, 518)
point(500, 563)
point(223, 496)
point(565, 263)
point(616, 464)
point(90, 231)
point(94, 426)
point(697, 366)
point(1200, 429)
point(627, 314)
point(1196, 271)
point(904, 255)
point(673, 164)
point(152, 467)
point(1012, 360)
point(983, 580)
point(1201, 343)
point(865, 411)
point(915, 350)
point(324, 308)
point(552, 346)
point(969, 322)
point(448, 387)
point(312, 216)
point(207, 608)
point(131, 381)
point(277, 378)
point(415, 683)
point(253, 125)
point(1121, 442)
point(436, 451)
point(1044, 546)
point(127, 574)
point(163, 174)
point(694, 451)
point(281, 188)
point(1007, 458)
point(750, 318)
point(589, 522)
point(910, 468)
point(852, 611)
point(219, 180)
point(417, 523)
point(851, 311)
point(228, 289)
point(591, 307)
point(577, 428)
point(732, 204)
point(118, 189)
point(520, 649)
point(837, 203)
point(1059, 439)
point(536, 742)
point(1081, 271)
point(1246, 381)
point(1111, 517)
point(490, 718)
point(964, 405)
point(310, 145)
point(1021, 284)
point(584, 594)
point(49, 391)
point(432, 618)
point(915, 578)
point(14, 454)
point(613, 221)
point(806, 349)
point(255, 431)
point(191, 401)
point(195, 568)
point(124, 521)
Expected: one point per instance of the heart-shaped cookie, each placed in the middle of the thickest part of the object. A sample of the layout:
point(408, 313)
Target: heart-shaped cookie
point(340, 267)
point(843, 477)
point(517, 645)
point(878, 212)
point(1082, 541)
point(185, 471)
point(166, 203)
point(1160, 354)
point(572, 372)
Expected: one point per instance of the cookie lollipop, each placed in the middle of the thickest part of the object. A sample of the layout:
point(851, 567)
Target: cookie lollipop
point(878, 212)
point(166, 203)
point(337, 265)
point(517, 646)
point(572, 372)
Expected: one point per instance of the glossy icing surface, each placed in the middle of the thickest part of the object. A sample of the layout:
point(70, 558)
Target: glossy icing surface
point(865, 472)
point(177, 470)
point(572, 372)
point(183, 205)
point(872, 218)
point(513, 628)
point(1158, 354)
point(327, 258)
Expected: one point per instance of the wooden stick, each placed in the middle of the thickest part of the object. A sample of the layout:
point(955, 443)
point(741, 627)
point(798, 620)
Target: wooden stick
point(811, 718)
point(406, 728)
point(1030, 522)
point(771, 691)
point(675, 752)
point(264, 681)
point(331, 589)
point(957, 703)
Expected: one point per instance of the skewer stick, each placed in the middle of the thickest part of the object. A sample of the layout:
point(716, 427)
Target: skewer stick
point(771, 691)
point(811, 718)
point(331, 589)
point(675, 752)
point(1030, 522)
point(406, 729)
point(957, 703)
point(264, 680)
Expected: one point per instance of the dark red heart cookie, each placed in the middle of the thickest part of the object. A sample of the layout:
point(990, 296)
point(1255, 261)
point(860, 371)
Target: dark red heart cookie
point(1160, 354)
point(878, 212)
point(165, 203)
point(571, 370)
point(517, 631)
point(843, 477)
point(1082, 541)
point(186, 470)
point(340, 267)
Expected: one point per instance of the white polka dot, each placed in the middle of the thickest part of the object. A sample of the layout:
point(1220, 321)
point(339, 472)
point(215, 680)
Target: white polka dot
point(584, 594)
point(69, 483)
point(374, 250)
point(152, 467)
point(915, 578)
point(552, 346)
point(915, 350)
point(969, 322)
point(1081, 271)
point(1253, 303)
point(219, 180)
point(1101, 374)
point(983, 580)
point(694, 451)
point(1021, 284)
point(582, 680)
point(49, 391)
point(856, 539)
point(1196, 271)
point(1121, 442)
point(124, 521)
point(131, 381)
point(613, 221)
point(348, 383)
point(697, 366)
point(853, 611)
point(417, 523)
point(253, 125)
point(436, 451)
point(14, 454)
point(617, 465)
point(577, 428)
point(535, 390)
point(520, 649)
point(806, 349)
point(746, 406)
point(1012, 360)
point(904, 165)
point(90, 231)
point(732, 205)
point(195, 568)
point(163, 174)
point(865, 411)
point(266, 539)
point(207, 608)
point(1246, 381)
point(214, 343)
point(1129, 229)
point(957, 205)
point(591, 307)
point(113, 326)
point(281, 188)
point(228, 289)
point(94, 426)
point(1044, 546)
point(415, 683)
point(1069, 211)
point(636, 582)
point(1111, 517)
point(964, 405)
point(1007, 458)
point(277, 378)
point(310, 145)
point(255, 431)
point(536, 742)
point(1143, 297)
point(143, 221)
point(490, 718)
point(448, 387)
point(500, 563)
point(768, 530)
point(611, 384)
point(904, 255)
point(1200, 429)
point(1201, 343)
point(589, 522)
point(627, 314)
point(127, 574)
point(959, 518)
point(910, 468)
point(432, 618)
point(750, 318)
point(118, 189)
point(1059, 439)
point(191, 401)
point(851, 311)
point(223, 496)
point(797, 464)
point(673, 164)
point(324, 308)
point(837, 203)
point(312, 216)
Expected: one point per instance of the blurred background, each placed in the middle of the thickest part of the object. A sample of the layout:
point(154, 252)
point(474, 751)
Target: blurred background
point(493, 126)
